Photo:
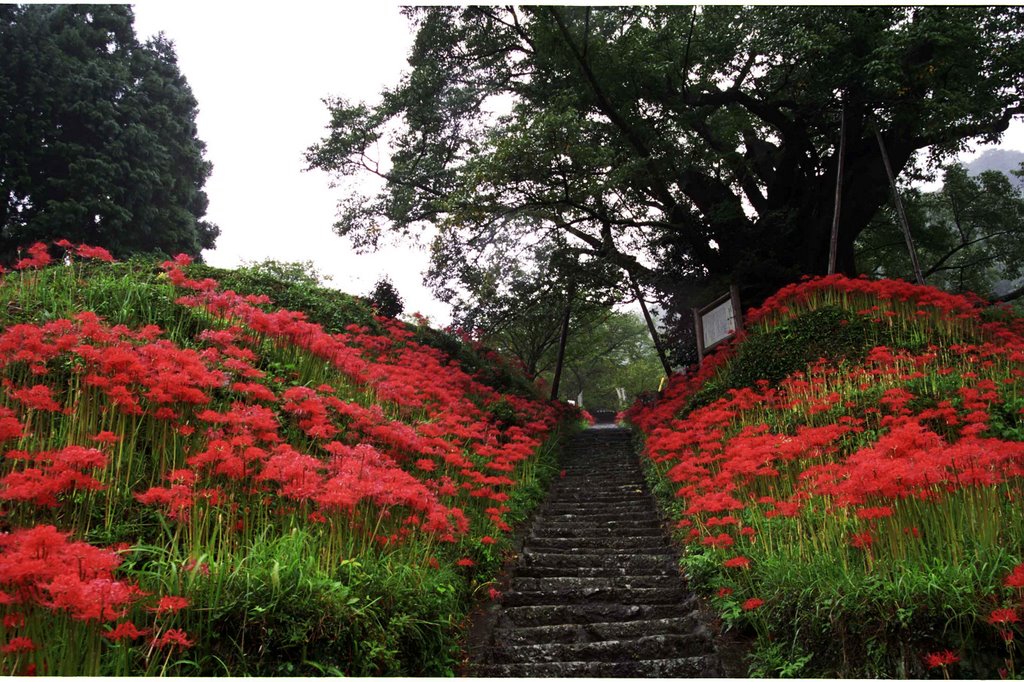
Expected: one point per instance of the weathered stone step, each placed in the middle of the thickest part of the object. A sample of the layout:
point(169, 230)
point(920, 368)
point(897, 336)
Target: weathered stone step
point(594, 572)
point(598, 529)
point(643, 544)
point(629, 560)
point(562, 584)
point(618, 510)
point(594, 632)
point(539, 615)
point(590, 595)
point(692, 667)
point(576, 516)
point(609, 651)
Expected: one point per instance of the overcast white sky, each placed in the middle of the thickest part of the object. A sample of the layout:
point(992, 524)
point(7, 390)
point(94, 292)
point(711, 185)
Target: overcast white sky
point(259, 72)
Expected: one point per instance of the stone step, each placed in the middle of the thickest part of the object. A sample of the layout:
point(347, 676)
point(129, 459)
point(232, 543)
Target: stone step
point(594, 632)
point(598, 510)
point(609, 651)
point(691, 667)
point(536, 615)
point(577, 516)
point(642, 544)
point(591, 595)
point(628, 560)
point(561, 584)
point(597, 531)
point(592, 572)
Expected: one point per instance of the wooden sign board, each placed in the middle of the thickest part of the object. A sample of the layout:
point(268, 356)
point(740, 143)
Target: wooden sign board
point(717, 321)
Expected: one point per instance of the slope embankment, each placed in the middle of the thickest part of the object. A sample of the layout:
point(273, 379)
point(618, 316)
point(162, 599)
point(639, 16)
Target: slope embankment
point(847, 477)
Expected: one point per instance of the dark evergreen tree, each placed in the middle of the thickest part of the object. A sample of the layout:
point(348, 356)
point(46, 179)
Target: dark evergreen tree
point(385, 298)
point(98, 139)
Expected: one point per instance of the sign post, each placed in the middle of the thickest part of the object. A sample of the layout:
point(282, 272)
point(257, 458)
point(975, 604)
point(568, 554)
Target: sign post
point(717, 321)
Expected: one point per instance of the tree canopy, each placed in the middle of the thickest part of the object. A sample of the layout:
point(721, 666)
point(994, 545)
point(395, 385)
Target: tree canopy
point(98, 140)
point(680, 144)
point(968, 235)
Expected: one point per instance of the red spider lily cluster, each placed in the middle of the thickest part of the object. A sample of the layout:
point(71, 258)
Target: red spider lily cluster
point(372, 440)
point(909, 457)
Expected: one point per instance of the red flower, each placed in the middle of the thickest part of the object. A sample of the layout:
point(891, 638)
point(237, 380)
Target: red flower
point(465, 561)
point(724, 592)
point(94, 252)
point(19, 645)
point(125, 630)
point(174, 637)
point(752, 603)
point(940, 659)
point(1016, 577)
point(487, 540)
point(170, 604)
point(1003, 617)
point(493, 594)
point(737, 562)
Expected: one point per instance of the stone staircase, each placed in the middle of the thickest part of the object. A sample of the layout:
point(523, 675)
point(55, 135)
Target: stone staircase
point(596, 590)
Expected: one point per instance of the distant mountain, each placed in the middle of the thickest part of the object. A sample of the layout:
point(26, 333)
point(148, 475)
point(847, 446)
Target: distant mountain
point(1002, 160)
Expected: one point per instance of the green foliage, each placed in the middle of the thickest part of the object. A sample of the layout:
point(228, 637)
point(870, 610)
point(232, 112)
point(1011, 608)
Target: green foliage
point(295, 286)
point(830, 332)
point(968, 235)
point(616, 352)
point(622, 137)
point(98, 135)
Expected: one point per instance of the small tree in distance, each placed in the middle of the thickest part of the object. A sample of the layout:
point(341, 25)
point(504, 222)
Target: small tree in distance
point(385, 298)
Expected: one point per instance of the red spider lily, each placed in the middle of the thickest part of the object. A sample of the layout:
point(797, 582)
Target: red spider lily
point(862, 540)
point(175, 638)
point(14, 620)
point(93, 252)
point(60, 472)
point(752, 603)
point(940, 659)
point(724, 592)
point(720, 541)
point(1016, 577)
point(1003, 617)
point(42, 567)
point(125, 630)
point(38, 257)
point(466, 562)
point(170, 604)
point(493, 594)
point(19, 645)
point(737, 562)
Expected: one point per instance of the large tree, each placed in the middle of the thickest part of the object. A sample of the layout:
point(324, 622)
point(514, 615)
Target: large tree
point(968, 236)
point(98, 137)
point(681, 144)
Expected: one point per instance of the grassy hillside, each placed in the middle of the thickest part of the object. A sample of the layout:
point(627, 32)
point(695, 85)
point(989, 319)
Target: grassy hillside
point(847, 476)
point(196, 481)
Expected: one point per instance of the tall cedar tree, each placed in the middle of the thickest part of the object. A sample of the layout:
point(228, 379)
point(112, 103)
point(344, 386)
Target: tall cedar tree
point(97, 135)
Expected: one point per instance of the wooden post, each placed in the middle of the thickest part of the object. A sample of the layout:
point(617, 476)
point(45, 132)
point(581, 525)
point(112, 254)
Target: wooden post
point(833, 250)
point(650, 327)
point(904, 223)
